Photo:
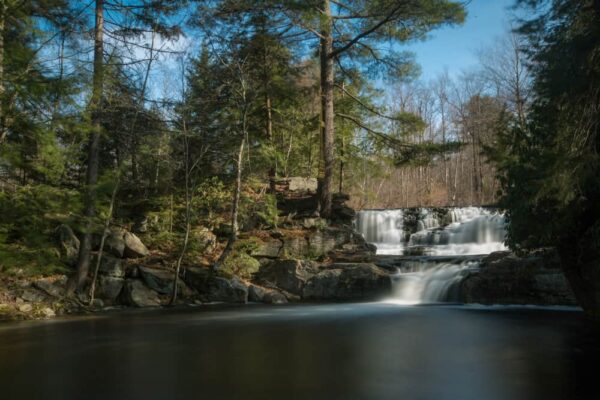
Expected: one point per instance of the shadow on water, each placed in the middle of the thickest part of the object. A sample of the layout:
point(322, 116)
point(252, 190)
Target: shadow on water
point(339, 351)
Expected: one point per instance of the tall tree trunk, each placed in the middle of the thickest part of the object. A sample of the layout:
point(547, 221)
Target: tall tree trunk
point(83, 262)
point(2, 26)
point(188, 224)
point(343, 149)
point(327, 112)
point(269, 133)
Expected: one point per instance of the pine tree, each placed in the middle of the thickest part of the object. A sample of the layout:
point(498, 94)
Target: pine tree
point(550, 168)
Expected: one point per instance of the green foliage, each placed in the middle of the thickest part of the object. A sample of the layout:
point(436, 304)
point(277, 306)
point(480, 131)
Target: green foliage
point(258, 212)
point(550, 167)
point(31, 213)
point(211, 196)
point(27, 232)
point(240, 263)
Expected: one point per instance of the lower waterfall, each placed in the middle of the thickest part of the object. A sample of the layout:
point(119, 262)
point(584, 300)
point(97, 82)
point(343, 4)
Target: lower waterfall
point(432, 249)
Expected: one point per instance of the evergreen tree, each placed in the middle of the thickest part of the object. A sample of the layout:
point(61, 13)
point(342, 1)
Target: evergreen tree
point(550, 168)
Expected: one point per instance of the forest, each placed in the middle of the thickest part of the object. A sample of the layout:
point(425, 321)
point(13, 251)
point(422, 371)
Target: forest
point(303, 199)
point(178, 117)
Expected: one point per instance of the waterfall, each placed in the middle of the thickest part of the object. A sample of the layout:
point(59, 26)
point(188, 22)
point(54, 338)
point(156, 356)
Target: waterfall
point(430, 282)
point(438, 247)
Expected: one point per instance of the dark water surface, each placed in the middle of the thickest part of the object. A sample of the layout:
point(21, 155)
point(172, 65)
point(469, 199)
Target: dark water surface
point(345, 351)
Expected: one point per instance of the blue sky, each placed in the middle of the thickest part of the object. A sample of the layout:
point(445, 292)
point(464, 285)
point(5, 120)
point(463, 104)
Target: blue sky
point(454, 48)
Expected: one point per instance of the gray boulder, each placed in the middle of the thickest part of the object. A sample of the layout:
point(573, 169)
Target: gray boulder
point(133, 246)
point(33, 296)
point(268, 248)
point(110, 266)
point(109, 288)
point(260, 294)
point(136, 294)
point(504, 278)
point(289, 275)
point(226, 290)
point(215, 288)
point(53, 286)
point(114, 243)
point(351, 281)
point(159, 280)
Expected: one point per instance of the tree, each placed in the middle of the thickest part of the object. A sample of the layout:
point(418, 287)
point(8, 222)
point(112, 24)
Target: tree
point(136, 19)
point(550, 167)
point(362, 26)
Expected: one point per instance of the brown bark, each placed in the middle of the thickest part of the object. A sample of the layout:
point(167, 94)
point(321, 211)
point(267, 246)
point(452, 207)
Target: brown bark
point(83, 262)
point(327, 111)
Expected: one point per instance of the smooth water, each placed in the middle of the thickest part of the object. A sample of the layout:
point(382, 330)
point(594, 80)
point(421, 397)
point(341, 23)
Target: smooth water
point(341, 351)
point(434, 235)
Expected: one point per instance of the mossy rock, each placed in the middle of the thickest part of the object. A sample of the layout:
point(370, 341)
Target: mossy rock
point(240, 264)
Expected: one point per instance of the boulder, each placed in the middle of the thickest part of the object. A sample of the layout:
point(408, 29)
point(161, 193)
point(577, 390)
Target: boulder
point(25, 308)
point(109, 266)
point(267, 248)
point(321, 242)
point(197, 277)
point(295, 246)
point(504, 278)
point(53, 286)
point(136, 294)
point(215, 288)
point(260, 294)
point(109, 288)
point(226, 290)
point(69, 244)
point(289, 275)
point(33, 296)
point(134, 248)
point(113, 243)
point(48, 312)
point(300, 184)
point(348, 282)
point(159, 280)
point(356, 250)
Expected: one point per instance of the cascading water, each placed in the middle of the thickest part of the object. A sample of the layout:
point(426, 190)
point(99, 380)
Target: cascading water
point(438, 247)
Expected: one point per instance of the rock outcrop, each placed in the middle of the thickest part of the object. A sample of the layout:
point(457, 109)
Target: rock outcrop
point(348, 282)
point(335, 282)
point(261, 294)
point(136, 294)
point(289, 275)
point(504, 278)
point(216, 288)
point(338, 243)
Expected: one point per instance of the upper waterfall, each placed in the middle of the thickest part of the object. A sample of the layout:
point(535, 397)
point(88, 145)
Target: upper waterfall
point(433, 231)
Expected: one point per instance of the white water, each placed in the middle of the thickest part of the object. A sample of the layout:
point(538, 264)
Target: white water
point(459, 232)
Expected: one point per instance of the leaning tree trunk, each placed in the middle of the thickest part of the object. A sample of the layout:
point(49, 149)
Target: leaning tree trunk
point(85, 248)
point(327, 112)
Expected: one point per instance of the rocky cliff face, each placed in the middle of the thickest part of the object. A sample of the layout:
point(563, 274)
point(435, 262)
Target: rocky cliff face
point(504, 278)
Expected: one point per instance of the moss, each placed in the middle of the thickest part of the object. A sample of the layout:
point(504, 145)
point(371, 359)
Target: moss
point(240, 264)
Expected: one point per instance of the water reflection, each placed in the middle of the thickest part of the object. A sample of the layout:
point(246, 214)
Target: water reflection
point(362, 351)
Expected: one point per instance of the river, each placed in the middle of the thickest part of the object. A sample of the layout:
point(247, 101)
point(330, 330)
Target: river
point(339, 351)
